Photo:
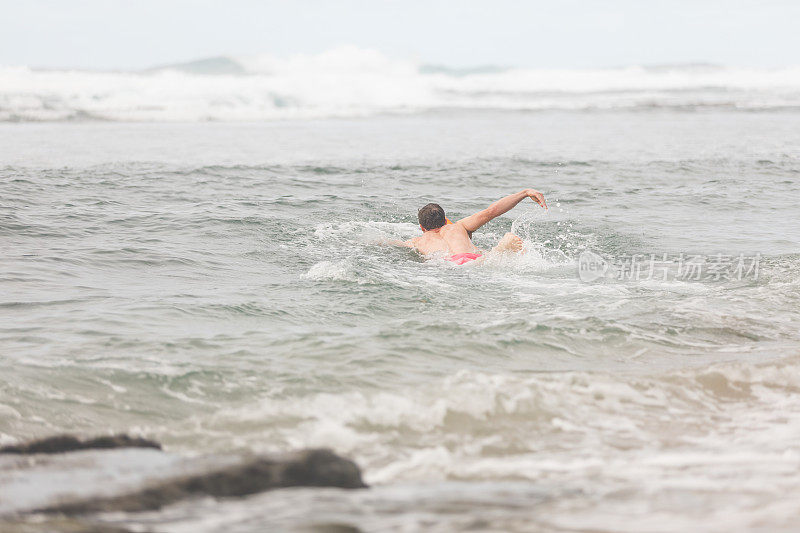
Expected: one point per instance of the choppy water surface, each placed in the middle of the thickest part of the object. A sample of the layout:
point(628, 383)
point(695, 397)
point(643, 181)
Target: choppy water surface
point(229, 286)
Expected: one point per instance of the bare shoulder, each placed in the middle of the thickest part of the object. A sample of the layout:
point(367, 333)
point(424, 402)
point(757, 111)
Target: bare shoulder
point(459, 228)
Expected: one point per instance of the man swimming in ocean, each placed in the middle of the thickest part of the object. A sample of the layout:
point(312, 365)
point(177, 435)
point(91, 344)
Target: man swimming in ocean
point(439, 235)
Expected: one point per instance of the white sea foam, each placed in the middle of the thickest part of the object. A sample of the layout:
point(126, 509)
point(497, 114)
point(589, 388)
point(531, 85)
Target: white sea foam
point(364, 232)
point(331, 270)
point(348, 81)
point(490, 426)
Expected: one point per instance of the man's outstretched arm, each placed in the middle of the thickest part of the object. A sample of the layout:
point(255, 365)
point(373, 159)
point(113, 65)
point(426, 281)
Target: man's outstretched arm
point(503, 205)
point(407, 244)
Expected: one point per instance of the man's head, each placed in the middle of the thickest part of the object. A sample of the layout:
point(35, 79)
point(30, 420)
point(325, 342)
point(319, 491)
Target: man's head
point(431, 217)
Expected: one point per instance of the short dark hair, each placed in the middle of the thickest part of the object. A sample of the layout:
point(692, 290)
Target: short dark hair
point(431, 216)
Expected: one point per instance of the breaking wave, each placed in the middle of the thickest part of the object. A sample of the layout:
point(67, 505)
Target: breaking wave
point(474, 425)
point(352, 82)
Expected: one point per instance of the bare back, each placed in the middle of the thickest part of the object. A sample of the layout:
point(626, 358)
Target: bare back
point(451, 239)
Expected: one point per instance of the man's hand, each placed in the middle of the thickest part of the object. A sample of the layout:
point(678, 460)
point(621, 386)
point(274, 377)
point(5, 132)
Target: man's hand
point(536, 196)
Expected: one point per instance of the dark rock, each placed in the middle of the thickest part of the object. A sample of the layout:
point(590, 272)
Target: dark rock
point(306, 468)
point(329, 528)
point(68, 443)
point(57, 524)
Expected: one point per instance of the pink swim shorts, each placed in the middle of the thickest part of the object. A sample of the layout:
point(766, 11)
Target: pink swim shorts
point(460, 259)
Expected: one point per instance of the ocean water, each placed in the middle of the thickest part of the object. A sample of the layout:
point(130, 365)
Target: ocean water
point(227, 286)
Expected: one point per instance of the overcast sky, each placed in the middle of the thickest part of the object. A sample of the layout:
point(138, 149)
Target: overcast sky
point(122, 34)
